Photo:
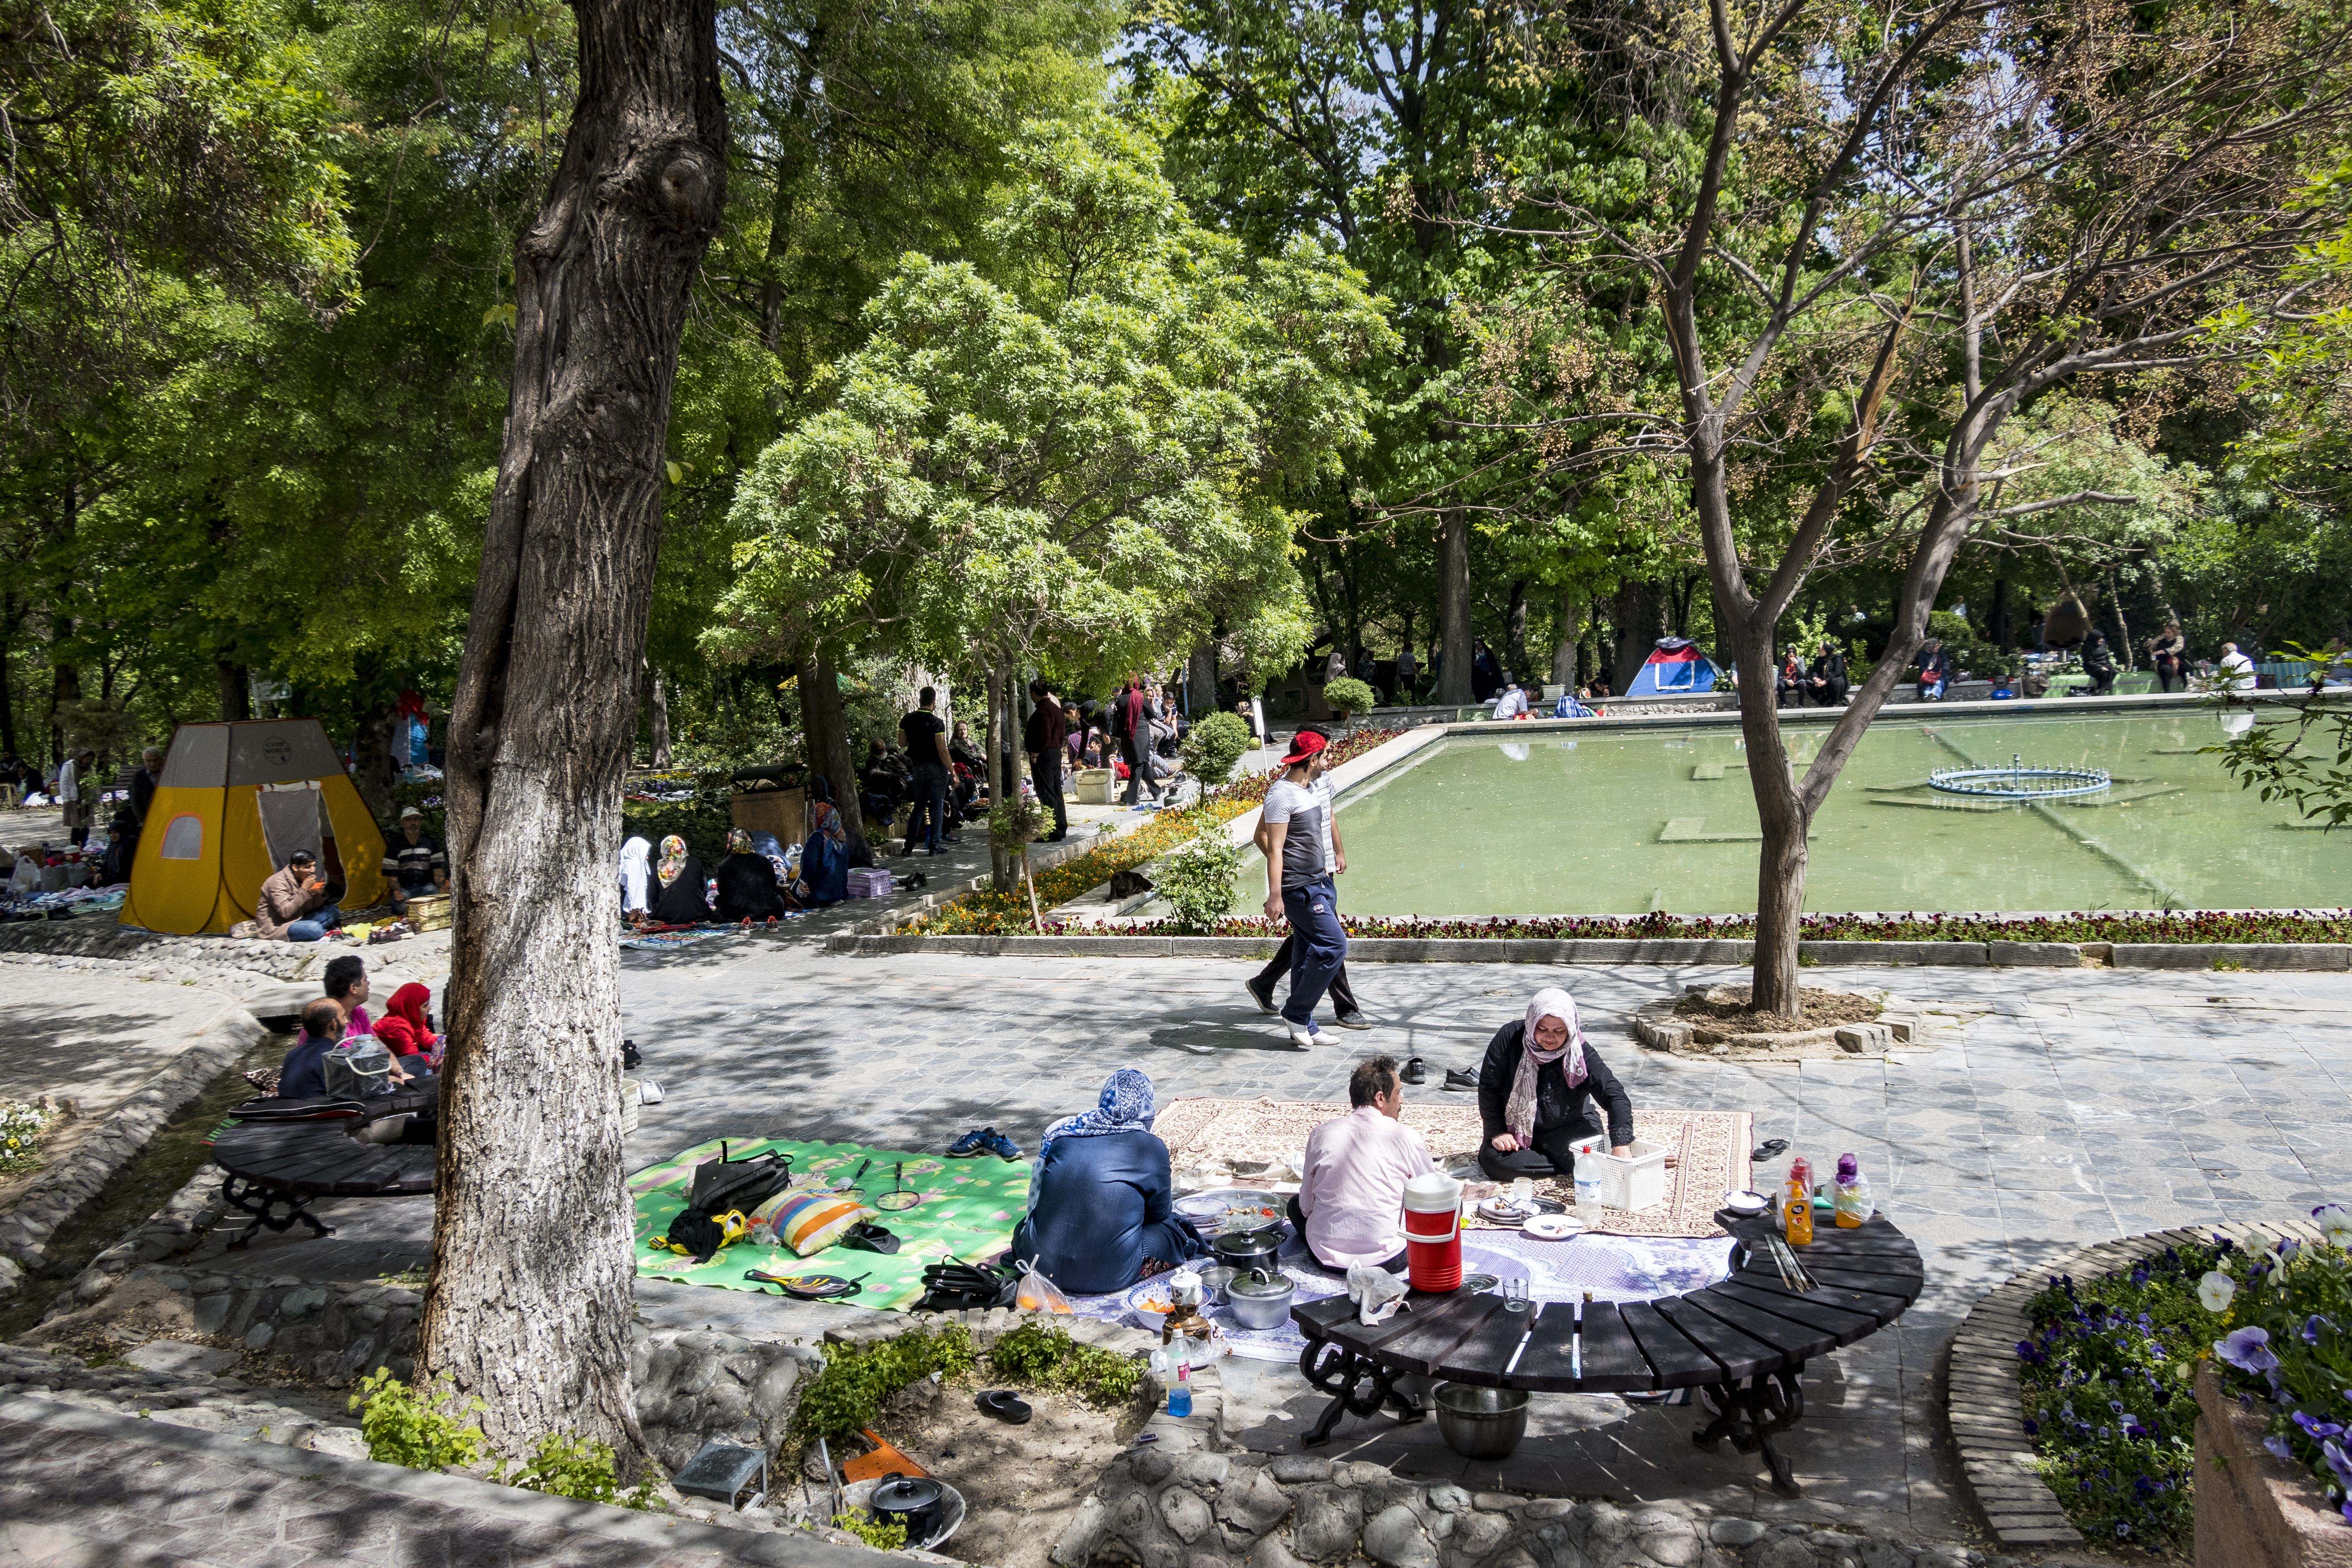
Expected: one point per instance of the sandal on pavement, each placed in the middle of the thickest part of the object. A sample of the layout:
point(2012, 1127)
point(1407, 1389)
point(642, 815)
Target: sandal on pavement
point(1005, 1405)
point(1768, 1149)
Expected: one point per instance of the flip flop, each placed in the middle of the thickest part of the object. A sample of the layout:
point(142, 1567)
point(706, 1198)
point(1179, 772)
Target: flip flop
point(1769, 1149)
point(1414, 1071)
point(1002, 1403)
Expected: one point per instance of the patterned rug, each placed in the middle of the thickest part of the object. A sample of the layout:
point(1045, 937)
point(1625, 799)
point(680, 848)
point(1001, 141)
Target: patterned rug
point(1712, 1146)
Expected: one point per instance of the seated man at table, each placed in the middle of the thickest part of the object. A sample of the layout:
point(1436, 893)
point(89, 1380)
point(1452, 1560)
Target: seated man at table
point(296, 904)
point(416, 865)
point(1100, 1214)
point(1350, 1202)
point(1535, 1090)
point(303, 1074)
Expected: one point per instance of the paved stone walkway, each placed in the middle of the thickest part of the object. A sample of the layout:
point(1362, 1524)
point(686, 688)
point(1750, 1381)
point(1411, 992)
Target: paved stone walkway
point(2058, 1108)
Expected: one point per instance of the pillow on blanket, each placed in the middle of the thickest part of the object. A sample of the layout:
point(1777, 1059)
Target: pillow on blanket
point(806, 1221)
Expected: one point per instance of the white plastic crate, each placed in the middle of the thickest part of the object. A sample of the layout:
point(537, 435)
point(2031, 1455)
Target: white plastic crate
point(870, 882)
point(1634, 1182)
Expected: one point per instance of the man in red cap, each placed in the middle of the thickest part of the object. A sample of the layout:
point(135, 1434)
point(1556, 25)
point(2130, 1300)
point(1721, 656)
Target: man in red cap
point(1298, 882)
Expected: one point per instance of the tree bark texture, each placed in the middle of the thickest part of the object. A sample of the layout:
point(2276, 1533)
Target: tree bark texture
point(827, 728)
point(1000, 785)
point(235, 683)
point(1200, 680)
point(1514, 632)
point(1639, 621)
point(1453, 681)
point(1565, 631)
point(372, 757)
point(528, 1305)
point(657, 723)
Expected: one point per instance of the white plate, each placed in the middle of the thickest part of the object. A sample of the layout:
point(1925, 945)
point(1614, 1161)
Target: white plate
point(1552, 1227)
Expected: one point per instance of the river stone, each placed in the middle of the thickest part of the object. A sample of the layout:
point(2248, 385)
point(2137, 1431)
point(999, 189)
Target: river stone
point(1328, 1521)
point(1292, 1469)
point(1607, 1525)
point(1205, 1469)
point(1736, 1531)
point(1786, 1552)
point(1394, 1537)
point(1083, 1534)
point(1449, 1499)
point(1186, 1514)
point(1473, 1535)
point(1270, 1553)
point(1673, 1548)
point(1253, 1503)
point(1152, 1466)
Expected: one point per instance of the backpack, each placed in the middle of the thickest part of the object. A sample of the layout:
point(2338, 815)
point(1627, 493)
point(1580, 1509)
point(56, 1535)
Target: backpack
point(358, 1068)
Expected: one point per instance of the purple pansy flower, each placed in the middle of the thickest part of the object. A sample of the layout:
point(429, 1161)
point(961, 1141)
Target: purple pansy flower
point(2247, 1349)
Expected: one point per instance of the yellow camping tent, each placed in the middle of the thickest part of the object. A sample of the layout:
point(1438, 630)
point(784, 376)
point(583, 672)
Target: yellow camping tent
point(235, 800)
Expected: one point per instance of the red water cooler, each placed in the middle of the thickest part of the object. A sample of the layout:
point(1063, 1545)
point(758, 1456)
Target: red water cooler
point(1433, 1233)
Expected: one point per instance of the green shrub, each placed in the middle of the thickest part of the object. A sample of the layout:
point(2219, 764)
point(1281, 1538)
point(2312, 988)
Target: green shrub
point(563, 1468)
point(1214, 745)
point(1051, 1358)
point(1198, 882)
point(880, 1534)
point(414, 1427)
point(848, 1394)
point(1349, 695)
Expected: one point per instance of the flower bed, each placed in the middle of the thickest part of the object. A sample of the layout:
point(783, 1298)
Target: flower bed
point(2109, 1368)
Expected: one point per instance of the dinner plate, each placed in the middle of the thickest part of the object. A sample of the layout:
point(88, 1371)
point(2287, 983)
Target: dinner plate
point(1209, 1208)
point(1553, 1227)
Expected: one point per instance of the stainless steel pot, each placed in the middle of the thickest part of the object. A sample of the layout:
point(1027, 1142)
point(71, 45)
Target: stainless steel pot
point(1243, 1250)
point(1481, 1423)
point(1261, 1299)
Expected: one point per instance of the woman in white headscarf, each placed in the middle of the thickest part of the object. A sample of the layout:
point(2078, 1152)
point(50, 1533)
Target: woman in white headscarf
point(1536, 1093)
point(636, 871)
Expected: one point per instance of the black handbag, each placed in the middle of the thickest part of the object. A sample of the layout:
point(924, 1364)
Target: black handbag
point(723, 1183)
point(956, 1286)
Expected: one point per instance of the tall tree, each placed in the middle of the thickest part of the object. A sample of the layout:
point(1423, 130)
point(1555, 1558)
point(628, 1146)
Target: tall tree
point(2082, 190)
point(528, 1303)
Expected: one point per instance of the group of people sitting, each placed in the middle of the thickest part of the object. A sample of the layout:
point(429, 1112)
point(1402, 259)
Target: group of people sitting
point(1101, 1209)
point(755, 883)
point(405, 1031)
point(1822, 684)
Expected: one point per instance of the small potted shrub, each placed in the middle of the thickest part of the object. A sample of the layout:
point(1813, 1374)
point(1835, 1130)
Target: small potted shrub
point(1348, 696)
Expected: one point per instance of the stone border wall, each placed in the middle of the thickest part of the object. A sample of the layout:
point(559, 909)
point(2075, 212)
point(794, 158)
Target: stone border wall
point(2335, 957)
point(79, 1174)
point(1982, 1396)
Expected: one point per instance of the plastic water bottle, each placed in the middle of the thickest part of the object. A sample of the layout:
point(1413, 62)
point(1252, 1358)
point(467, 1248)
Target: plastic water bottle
point(1852, 1197)
point(1179, 1398)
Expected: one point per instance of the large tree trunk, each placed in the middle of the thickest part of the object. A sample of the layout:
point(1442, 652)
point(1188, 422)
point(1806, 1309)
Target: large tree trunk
point(528, 1302)
point(372, 757)
point(1200, 680)
point(1453, 681)
point(1001, 790)
point(1780, 870)
point(1514, 632)
point(1639, 622)
point(234, 683)
point(1565, 631)
point(827, 728)
point(659, 723)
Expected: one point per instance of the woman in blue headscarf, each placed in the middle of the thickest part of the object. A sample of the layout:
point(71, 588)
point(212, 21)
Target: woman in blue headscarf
point(1099, 1219)
point(825, 856)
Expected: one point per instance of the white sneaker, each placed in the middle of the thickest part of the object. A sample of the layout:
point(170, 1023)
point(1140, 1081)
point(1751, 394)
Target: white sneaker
point(1302, 1035)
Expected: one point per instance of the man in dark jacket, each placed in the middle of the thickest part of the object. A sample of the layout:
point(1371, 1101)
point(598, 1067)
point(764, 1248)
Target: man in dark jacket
point(143, 782)
point(1825, 682)
point(1043, 739)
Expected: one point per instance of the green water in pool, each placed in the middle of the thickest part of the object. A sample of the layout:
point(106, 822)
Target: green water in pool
point(1627, 821)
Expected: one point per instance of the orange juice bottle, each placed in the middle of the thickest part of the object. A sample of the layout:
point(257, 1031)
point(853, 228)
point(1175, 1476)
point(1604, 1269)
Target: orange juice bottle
point(1799, 1204)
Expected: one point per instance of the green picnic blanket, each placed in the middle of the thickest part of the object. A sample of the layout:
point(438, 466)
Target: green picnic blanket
point(969, 1208)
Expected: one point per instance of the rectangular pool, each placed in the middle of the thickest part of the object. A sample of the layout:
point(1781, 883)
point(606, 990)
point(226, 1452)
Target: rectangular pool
point(1628, 821)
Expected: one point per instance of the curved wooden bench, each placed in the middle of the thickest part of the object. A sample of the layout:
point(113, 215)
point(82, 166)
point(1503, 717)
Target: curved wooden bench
point(278, 1156)
point(1742, 1342)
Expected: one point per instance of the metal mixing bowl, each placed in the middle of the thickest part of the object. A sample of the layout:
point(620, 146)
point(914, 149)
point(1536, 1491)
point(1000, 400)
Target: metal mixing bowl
point(1481, 1423)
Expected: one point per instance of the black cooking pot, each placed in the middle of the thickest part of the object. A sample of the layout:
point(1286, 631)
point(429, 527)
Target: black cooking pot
point(916, 1502)
point(1244, 1251)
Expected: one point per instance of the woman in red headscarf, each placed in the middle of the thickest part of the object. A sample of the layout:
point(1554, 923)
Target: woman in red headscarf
point(407, 1027)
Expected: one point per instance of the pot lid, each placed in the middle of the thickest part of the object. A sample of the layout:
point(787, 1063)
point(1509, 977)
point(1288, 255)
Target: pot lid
point(1255, 1284)
point(1248, 1241)
point(896, 1491)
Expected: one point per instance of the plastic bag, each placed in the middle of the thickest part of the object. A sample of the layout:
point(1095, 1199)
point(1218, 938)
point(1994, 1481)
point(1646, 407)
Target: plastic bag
point(357, 1068)
point(1036, 1293)
point(1376, 1292)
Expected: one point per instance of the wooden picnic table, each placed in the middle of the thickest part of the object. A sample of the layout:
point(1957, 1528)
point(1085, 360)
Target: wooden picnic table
point(279, 1156)
point(1742, 1343)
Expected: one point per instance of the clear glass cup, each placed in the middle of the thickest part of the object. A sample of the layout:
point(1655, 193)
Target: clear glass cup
point(1515, 1294)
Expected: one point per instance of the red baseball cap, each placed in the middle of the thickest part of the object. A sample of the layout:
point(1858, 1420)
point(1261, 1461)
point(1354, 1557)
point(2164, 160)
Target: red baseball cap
point(1303, 745)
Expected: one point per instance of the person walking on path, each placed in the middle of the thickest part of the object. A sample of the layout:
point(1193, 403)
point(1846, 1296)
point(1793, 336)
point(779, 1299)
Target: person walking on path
point(1298, 882)
point(1043, 741)
point(1350, 1013)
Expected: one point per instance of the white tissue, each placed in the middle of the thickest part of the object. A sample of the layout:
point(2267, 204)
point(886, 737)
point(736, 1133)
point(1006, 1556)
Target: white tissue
point(1376, 1292)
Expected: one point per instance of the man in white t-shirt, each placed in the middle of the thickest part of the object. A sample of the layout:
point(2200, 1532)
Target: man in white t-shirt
point(1292, 834)
point(1350, 1202)
point(2237, 669)
point(1512, 703)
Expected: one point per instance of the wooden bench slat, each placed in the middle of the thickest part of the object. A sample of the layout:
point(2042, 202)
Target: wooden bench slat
point(1548, 1363)
point(1483, 1356)
point(1674, 1360)
point(1809, 1309)
point(1880, 1306)
point(1614, 1363)
point(1422, 1346)
point(1317, 1319)
point(1739, 1353)
point(1791, 1342)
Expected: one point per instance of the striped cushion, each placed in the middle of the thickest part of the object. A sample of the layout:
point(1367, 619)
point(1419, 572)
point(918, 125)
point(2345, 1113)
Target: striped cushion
point(807, 1222)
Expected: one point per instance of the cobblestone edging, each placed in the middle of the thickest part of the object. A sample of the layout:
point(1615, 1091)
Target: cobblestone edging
point(93, 943)
point(1980, 1380)
point(81, 1173)
point(2328, 956)
point(1202, 1509)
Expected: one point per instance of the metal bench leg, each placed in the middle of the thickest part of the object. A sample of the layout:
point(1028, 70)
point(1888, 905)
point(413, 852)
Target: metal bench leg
point(258, 1204)
point(1337, 1372)
point(1749, 1411)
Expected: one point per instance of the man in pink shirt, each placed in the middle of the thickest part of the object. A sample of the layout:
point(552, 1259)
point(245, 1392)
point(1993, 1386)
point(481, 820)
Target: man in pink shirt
point(1350, 1200)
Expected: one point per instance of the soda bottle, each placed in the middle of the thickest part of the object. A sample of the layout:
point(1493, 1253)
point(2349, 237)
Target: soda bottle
point(1854, 1204)
point(1179, 1398)
point(1798, 1207)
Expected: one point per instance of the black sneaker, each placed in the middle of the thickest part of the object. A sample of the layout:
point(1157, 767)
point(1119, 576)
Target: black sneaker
point(1456, 1079)
point(1261, 995)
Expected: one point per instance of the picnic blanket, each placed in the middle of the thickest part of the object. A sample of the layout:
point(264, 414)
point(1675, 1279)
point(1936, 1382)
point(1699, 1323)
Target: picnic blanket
point(1713, 1147)
point(1613, 1267)
point(664, 941)
point(968, 1209)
